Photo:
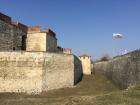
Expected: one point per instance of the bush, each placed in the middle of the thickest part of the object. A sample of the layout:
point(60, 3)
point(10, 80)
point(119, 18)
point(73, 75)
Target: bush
point(105, 58)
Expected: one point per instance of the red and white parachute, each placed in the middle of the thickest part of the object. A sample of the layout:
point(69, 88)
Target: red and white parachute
point(116, 36)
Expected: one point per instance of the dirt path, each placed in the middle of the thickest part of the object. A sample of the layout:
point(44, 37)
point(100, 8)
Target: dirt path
point(90, 85)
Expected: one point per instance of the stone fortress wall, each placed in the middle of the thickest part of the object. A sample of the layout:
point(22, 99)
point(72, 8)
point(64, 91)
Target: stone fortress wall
point(35, 72)
point(30, 61)
point(12, 34)
point(123, 70)
point(41, 40)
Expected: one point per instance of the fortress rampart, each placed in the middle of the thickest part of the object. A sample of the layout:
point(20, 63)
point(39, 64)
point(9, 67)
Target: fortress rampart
point(123, 70)
point(12, 34)
point(35, 72)
point(30, 61)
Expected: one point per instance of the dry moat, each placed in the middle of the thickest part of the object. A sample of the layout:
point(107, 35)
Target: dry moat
point(92, 90)
point(89, 87)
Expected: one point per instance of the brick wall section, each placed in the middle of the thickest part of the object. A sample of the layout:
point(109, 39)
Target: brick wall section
point(6, 36)
point(12, 37)
point(122, 70)
point(34, 72)
point(19, 37)
point(51, 43)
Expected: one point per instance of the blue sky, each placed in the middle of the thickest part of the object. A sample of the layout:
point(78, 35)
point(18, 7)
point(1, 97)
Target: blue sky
point(86, 26)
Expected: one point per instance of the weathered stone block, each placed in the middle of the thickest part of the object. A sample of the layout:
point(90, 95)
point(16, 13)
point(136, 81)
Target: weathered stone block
point(34, 72)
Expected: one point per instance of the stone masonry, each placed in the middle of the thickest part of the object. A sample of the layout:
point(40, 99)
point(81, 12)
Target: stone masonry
point(35, 72)
point(30, 61)
point(86, 64)
point(12, 34)
point(123, 70)
point(38, 40)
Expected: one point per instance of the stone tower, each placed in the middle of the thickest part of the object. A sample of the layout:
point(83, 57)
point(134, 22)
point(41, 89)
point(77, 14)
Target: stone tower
point(86, 64)
point(12, 34)
point(38, 40)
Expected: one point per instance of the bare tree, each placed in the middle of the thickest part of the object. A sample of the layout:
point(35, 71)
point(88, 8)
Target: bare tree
point(106, 57)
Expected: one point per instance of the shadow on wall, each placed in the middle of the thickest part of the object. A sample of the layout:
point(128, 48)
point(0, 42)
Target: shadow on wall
point(78, 70)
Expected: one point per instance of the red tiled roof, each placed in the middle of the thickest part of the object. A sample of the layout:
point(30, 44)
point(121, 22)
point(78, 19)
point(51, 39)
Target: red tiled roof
point(33, 28)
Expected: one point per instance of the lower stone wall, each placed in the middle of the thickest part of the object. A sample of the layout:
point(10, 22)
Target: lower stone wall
point(122, 70)
point(58, 71)
point(34, 72)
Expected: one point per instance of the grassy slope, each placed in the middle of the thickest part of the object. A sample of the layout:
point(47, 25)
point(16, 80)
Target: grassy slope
point(130, 97)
